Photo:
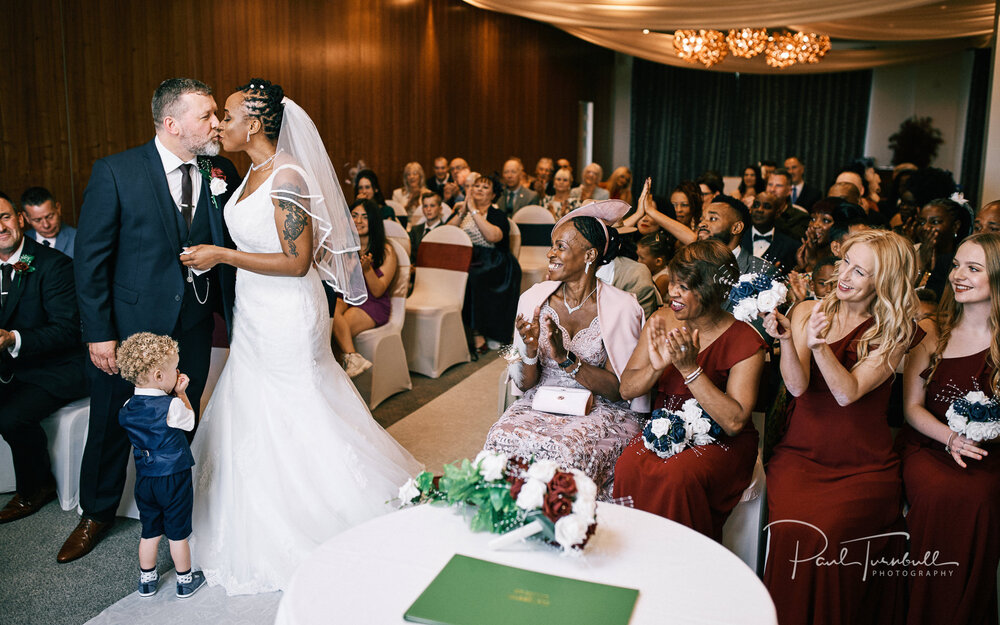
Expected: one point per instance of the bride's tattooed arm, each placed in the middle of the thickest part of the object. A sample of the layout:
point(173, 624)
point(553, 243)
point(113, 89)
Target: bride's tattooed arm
point(296, 219)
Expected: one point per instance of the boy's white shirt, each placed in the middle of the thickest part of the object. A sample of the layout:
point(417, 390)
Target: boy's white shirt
point(178, 415)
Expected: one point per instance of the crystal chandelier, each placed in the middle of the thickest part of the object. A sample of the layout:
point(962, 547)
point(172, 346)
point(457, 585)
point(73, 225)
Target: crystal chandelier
point(747, 42)
point(702, 46)
point(780, 49)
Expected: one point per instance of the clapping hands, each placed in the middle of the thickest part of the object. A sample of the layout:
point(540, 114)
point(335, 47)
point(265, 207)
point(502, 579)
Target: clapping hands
point(678, 347)
point(817, 328)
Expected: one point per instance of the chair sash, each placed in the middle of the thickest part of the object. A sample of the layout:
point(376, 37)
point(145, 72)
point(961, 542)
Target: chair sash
point(444, 256)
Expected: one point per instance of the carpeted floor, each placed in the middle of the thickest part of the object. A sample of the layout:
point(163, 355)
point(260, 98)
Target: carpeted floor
point(438, 421)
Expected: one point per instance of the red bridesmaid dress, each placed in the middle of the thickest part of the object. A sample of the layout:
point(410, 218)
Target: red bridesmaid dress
point(953, 511)
point(700, 486)
point(834, 477)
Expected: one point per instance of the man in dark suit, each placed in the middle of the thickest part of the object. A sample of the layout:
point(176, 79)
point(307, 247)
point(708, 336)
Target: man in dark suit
point(800, 193)
point(792, 220)
point(142, 207)
point(514, 195)
point(763, 240)
point(41, 356)
point(430, 204)
point(441, 177)
point(44, 215)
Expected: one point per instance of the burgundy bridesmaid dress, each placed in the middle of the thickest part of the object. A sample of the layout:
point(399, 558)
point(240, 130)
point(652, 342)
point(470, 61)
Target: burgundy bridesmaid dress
point(953, 511)
point(700, 486)
point(834, 477)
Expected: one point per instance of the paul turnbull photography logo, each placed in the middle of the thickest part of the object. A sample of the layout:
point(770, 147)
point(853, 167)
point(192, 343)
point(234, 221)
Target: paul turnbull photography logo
point(850, 554)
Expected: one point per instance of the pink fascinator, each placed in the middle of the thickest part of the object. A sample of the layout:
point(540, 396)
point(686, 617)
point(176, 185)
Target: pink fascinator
point(606, 212)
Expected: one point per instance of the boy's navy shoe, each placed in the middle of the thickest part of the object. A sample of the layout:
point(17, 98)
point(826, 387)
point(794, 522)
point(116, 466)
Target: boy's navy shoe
point(189, 584)
point(148, 582)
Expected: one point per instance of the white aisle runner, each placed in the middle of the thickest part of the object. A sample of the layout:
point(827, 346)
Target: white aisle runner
point(450, 427)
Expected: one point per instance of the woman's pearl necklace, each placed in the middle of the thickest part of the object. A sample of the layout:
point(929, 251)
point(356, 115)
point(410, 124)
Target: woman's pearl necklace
point(264, 164)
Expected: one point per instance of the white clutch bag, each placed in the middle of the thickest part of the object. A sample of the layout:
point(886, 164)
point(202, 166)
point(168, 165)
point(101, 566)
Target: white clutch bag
point(558, 400)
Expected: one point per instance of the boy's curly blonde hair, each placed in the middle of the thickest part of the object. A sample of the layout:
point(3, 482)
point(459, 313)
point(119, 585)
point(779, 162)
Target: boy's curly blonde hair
point(142, 352)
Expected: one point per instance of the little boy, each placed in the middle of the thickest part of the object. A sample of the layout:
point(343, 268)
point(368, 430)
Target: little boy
point(155, 422)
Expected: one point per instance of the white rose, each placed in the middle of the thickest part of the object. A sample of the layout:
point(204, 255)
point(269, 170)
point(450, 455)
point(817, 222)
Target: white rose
point(491, 465)
point(217, 186)
point(955, 421)
point(543, 470)
point(700, 426)
point(532, 495)
point(977, 397)
point(677, 448)
point(409, 491)
point(770, 299)
point(746, 309)
point(660, 426)
point(571, 530)
point(586, 494)
point(746, 277)
point(703, 439)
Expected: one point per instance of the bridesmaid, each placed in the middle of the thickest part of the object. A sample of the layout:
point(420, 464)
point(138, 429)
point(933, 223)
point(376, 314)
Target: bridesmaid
point(694, 348)
point(834, 477)
point(951, 482)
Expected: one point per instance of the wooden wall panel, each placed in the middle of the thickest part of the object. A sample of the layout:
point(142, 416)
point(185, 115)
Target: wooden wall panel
point(387, 81)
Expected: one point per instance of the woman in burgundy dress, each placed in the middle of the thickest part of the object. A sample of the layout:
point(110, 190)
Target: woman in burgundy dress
point(833, 484)
point(694, 348)
point(952, 483)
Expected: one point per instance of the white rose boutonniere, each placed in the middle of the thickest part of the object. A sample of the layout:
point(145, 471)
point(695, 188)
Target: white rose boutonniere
point(218, 186)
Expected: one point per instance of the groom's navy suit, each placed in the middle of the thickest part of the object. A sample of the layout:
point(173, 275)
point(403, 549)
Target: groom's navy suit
point(130, 279)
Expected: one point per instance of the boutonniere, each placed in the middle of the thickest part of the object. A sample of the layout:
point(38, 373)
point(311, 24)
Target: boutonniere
point(216, 179)
point(24, 265)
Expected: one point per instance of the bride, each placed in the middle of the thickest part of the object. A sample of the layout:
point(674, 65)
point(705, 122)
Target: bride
point(287, 453)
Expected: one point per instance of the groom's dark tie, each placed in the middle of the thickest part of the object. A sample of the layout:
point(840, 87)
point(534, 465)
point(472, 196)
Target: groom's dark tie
point(5, 272)
point(187, 193)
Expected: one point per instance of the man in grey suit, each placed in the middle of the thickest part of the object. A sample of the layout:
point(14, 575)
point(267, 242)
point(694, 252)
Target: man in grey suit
point(44, 215)
point(515, 195)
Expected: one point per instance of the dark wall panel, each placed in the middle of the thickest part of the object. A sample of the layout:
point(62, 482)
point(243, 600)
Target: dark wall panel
point(387, 81)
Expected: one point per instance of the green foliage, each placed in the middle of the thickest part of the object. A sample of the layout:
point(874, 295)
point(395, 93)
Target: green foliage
point(916, 142)
point(462, 484)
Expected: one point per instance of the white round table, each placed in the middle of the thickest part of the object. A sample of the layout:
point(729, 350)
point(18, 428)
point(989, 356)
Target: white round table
point(373, 572)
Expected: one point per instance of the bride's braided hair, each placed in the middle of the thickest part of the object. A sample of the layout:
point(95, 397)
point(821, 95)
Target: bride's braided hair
point(262, 100)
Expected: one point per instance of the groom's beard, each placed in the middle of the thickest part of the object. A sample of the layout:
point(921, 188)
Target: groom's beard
point(201, 147)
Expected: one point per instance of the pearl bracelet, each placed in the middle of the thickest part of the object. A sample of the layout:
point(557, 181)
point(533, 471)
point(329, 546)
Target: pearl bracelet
point(691, 377)
point(529, 361)
point(572, 373)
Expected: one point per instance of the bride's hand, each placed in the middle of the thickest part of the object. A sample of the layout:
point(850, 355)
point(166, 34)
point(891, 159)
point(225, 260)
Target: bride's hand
point(202, 257)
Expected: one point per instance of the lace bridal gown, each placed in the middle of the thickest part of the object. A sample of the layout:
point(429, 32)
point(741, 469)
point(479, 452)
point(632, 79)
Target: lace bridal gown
point(287, 453)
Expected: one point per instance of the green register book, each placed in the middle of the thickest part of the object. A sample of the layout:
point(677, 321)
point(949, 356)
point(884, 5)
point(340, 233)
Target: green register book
point(469, 591)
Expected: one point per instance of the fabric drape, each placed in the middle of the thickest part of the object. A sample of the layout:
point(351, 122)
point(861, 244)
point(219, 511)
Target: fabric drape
point(975, 122)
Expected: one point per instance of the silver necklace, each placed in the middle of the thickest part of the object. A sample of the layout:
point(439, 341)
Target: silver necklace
point(573, 309)
point(264, 164)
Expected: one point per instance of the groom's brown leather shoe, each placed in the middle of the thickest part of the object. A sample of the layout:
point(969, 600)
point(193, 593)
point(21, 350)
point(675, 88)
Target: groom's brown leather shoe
point(85, 537)
point(19, 507)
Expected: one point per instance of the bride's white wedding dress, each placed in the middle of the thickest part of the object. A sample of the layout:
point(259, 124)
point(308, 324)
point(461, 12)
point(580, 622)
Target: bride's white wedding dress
point(287, 453)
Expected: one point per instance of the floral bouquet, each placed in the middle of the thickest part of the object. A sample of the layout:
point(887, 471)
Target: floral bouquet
point(975, 416)
point(756, 293)
point(671, 432)
point(514, 497)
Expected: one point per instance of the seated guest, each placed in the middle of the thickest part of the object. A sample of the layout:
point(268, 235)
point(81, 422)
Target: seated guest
point(574, 331)
point(763, 240)
point(619, 185)
point(454, 191)
point(441, 177)
point(952, 482)
point(430, 204)
point(852, 219)
point(816, 285)
point(44, 215)
point(560, 201)
point(694, 348)
point(823, 216)
point(801, 193)
point(541, 183)
point(846, 191)
point(792, 220)
point(751, 183)
point(41, 355)
point(647, 218)
point(988, 218)
point(862, 174)
point(366, 187)
point(378, 262)
point(515, 195)
point(494, 277)
point(834, 476)
point(655, 251)
point(943, 224)
point(589, 189)
point(686, 202)
point(413, 185)
point(711, 185)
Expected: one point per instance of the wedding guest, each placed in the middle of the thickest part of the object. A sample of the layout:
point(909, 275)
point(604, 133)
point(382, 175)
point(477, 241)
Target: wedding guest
point(942, 225)
point(916, 190)
point(648, 219)
point(413, 185)
point(988, 218)
point(751, 183)
point(561, 201)
point(44, 215)
point(619, 185)
point(378, 262)
point(589, 189)
point(694, 348)
point(41, 356)
point(155, 419)
point(952, 482)
point(515, 195)
point(711, 186)
point(441, 177)
point(655, 251)
point(762, 239)
point(766, 167)
point(800, 192)
point(366, 187)
point(834, 476)
point(686, 201)
point(574, 331)
point(430, 204)
point(494, 277)
point(454, 192)
point(542, 182)
point(823, 216)
point(846, 191)
point(792, 220)
point(928, 301)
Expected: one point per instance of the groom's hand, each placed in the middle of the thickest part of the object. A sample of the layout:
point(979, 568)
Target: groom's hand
point(103, 356)
point(201, 257)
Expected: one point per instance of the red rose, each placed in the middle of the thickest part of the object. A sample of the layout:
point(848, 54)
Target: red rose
point(218, 173)
point(563, 483)
point(556, 506)
point(516, 467)
point(20, 266)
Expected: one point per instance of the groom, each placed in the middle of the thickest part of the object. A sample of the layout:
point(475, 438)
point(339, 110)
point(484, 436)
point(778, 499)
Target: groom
point(140, 209)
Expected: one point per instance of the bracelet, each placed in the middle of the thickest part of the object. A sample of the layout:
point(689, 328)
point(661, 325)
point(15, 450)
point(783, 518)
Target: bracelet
point(691, 377)
point(576, 369)
point(529, 361)
point(570, 359)
point(947, 446)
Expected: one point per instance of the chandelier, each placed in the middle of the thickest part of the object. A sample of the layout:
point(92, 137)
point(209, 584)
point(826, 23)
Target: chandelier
point(780, 49)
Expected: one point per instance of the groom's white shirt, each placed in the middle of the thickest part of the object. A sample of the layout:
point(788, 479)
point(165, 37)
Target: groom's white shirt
point(172, 168)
